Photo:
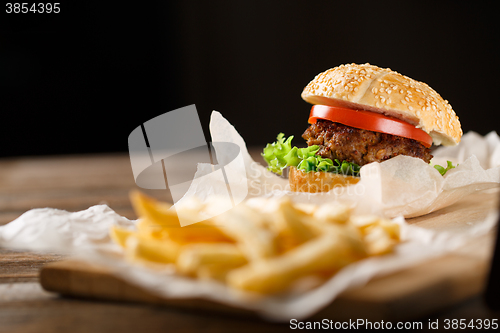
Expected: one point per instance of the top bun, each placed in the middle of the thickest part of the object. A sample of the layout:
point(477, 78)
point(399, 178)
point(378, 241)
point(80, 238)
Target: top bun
point(371, 88)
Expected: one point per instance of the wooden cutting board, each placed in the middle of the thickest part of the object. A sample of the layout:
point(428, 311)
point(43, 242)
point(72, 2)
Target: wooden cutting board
point(418, 291)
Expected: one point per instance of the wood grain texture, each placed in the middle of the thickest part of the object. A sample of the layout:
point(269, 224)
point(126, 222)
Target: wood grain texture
point(403, 295)
point(17, 266)
point(71, 183)
point(28, 308)
point(420, 290)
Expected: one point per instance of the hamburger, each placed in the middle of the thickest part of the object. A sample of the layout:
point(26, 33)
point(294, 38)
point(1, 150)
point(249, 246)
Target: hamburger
point(362, 114)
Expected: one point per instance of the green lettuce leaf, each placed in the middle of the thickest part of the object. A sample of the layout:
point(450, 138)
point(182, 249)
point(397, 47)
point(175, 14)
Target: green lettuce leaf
point(274, 153)
point(443, 170)
point(281, 154)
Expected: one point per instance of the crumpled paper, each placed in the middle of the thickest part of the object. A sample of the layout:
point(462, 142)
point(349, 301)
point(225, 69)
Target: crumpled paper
point(399, 186)
point(85, 235)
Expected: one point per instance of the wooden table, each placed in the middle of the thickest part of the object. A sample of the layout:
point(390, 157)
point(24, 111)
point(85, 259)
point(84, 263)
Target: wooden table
point(74, 183)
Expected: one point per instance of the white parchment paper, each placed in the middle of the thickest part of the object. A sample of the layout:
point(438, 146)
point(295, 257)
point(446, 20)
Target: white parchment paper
point(85, 236)
point(399, 186)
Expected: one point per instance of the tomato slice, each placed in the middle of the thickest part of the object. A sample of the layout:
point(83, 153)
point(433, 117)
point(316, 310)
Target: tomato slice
point(371, 121)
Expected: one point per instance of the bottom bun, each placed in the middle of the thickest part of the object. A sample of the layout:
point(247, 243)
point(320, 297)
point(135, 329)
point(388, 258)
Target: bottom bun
point(314, 182)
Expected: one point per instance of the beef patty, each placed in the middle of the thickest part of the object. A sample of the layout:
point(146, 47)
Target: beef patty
point(360, 146)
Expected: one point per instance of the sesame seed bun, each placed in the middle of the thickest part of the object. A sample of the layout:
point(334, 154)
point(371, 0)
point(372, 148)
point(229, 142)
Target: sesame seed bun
point(371, 88)
point(314, 182)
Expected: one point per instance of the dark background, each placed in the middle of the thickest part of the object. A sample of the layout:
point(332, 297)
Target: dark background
point(80, 81)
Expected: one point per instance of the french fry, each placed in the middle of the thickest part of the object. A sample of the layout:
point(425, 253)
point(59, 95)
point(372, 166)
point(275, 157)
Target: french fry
point(139, 247)
point(147, 207)
point(120, 235)
point(199, 232)
point(363, 221)
point(380, 237)
point(329, 252)
point(163, 221)
point(378, 241)
point(246, 226)
point(217, 271)
point(265, 246)
point(391, 228)
point(307, 208)
point(147, 228)
point(291, 226)
point(211, 259)
point(334, 213)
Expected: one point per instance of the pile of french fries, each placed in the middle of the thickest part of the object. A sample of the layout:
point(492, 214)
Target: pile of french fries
point(266, 246)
